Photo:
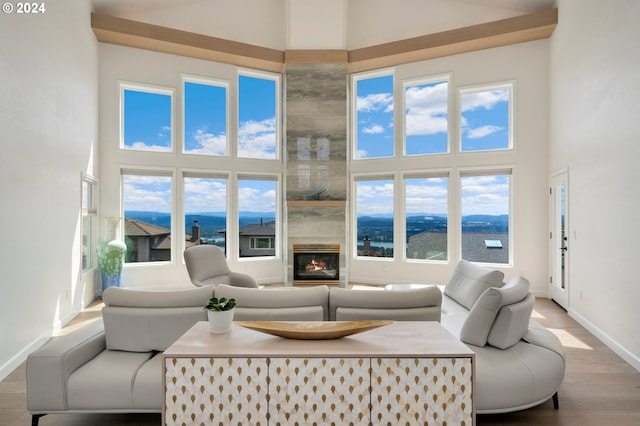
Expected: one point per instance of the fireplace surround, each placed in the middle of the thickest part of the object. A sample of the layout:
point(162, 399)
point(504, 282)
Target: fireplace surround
point(316, 264)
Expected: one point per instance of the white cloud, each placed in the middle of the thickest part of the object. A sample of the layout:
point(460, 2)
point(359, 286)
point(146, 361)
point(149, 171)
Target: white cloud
point(142, 146)
point(375, 197)
point(257, 139)
point(375, 102)
point(257, 200)
point(209, 143)
point(204, 195)
point(374, 129)
point(487, 100)
point(481, 132)
point(426, 109)
point(147, 193)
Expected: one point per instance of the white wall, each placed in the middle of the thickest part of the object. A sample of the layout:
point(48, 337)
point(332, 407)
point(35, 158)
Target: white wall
point(595, 87)
point(48, 117)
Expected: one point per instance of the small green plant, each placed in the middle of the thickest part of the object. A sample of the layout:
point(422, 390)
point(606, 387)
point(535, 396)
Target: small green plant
point(222, 304)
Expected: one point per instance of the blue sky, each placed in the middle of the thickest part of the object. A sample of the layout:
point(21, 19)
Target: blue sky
point(484, 125)
point(148, 126)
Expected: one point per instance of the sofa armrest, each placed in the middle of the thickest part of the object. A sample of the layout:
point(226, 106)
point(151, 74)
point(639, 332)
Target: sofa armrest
point(49, 367)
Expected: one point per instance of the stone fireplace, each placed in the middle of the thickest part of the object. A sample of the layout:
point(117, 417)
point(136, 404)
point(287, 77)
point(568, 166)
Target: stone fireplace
point(316, 167)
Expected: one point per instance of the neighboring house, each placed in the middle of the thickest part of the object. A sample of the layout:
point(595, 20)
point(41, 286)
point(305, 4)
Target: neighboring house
point(151, 243)
point(257, 239)
point(476, 246)
point(146, 242)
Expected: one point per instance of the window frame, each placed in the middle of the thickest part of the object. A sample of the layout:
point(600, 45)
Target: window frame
point(364, 177)
point(151, 171)
point(509, 170)
point(204, 174)
point(277, 179)
point(478, 88)
point(419, 82)
point(89, 210)
point(152, 89)
point(354, 79)
point(426, 174)
point(207, 81)
point(277, 78)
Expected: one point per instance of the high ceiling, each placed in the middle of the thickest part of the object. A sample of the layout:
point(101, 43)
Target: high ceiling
point(310, 24)
point(122, 7)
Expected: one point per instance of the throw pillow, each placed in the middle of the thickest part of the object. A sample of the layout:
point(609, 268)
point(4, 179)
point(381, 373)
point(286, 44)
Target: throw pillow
point(511, 324)
point(478, 323)
point(469, 281)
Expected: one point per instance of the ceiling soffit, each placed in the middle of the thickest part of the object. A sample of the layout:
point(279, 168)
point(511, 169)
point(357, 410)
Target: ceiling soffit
point(519, 29)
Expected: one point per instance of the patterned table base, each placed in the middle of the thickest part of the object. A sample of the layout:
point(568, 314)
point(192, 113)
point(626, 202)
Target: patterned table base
point(323, 391)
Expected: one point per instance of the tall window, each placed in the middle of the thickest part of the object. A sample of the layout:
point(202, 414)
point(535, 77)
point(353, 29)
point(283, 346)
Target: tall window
point(147, 213)
point(204, 116)
point(374, 116)
point(89, 218)
point(205, 210)
point(485, 120)
point(374, 217)
point(257, 116)
point(485, 216)
point(146, 118)
point(426, 121)
point(426, 224)
point(257, 216)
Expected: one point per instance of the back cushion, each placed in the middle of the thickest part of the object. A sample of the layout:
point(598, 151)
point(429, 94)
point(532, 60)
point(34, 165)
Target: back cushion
point(146, 320)
point(469, 281)
point(483, 313)
point(342, 300)
point(277, 298)
point(511, 324)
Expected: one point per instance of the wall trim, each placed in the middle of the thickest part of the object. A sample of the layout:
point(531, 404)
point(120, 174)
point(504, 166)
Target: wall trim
point(612, 344)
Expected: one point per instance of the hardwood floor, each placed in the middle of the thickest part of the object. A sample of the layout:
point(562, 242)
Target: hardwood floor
point(599, 387)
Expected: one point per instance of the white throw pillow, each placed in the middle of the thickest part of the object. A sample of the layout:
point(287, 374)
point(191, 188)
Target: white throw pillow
point(483, 313)
point(469, 281)
point(511, 324)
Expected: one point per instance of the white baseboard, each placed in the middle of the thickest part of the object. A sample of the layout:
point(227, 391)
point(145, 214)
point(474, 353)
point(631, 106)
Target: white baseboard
point(617, 348)
point(15, 361)
point(8, 367)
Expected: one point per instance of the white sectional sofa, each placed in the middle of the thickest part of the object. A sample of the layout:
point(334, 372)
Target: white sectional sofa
point(519, 363)
point(114, 366)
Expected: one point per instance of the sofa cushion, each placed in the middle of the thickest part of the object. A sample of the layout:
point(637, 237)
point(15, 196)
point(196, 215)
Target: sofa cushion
point(282, 303)
point(129, 297)
point(406, 305)
point(478, 323)
point(147, 320)
point(469, 281)
point(105, 383)
point(511, 324)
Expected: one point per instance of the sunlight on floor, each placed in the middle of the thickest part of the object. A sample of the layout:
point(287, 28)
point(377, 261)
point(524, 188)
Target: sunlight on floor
point(569, 340)
point(537, 315)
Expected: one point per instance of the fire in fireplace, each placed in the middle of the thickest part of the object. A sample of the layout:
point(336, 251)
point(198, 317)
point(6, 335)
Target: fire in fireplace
point(316, 263)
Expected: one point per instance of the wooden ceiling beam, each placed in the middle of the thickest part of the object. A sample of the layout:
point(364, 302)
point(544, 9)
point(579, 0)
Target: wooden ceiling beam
point(124, 32)
point(519, 29)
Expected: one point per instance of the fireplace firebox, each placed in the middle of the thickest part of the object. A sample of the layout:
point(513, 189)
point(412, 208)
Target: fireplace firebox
point(316, 264)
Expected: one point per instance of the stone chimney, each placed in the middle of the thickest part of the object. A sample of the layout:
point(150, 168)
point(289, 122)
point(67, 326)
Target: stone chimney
point(195, 232)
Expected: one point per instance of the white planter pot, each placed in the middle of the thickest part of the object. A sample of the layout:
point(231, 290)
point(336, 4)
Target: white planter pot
point(220, 321)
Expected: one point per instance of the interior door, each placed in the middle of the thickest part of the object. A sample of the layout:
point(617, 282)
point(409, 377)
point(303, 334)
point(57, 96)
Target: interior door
point(559, 205)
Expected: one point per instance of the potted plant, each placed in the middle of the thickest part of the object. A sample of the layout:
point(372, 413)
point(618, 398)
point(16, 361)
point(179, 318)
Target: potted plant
point(220, 314)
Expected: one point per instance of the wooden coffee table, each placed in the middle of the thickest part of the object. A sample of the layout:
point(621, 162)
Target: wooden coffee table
point(412, 371)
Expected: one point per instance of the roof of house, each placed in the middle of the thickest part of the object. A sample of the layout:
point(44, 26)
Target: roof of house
point(137, 228)
point(258, 229)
